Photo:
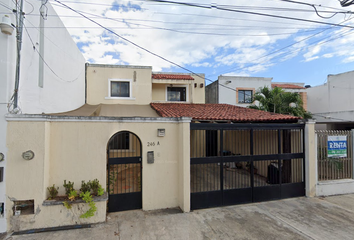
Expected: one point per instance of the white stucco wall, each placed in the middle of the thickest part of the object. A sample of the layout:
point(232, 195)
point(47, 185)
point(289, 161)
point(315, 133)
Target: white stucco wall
point(64, 67)
point(63, 90)
point(333, 99)
point(75, 149)
point(227, 95)
point(7, 73)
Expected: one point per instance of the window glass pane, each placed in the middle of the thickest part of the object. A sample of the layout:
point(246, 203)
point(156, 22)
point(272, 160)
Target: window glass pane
point(248, 96)
point(176, 94)
point(120, 89)
point(241, 96)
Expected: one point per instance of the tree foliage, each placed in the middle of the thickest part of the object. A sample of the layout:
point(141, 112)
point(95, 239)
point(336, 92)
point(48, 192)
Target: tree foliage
point(276, 100)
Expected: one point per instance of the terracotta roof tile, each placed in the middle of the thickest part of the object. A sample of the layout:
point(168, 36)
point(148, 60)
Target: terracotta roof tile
point(287, 86)
point(172, 76)
point(219, 112)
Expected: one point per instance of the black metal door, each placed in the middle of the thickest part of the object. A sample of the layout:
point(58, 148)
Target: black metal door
point(124, 172)
point(250, 163)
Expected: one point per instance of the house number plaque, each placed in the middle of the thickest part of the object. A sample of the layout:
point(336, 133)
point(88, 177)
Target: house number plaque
point(152, 144)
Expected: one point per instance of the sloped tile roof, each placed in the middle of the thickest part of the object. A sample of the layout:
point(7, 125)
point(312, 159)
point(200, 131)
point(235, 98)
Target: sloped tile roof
point(287, 86)
point(219, 112)
point(172, 76)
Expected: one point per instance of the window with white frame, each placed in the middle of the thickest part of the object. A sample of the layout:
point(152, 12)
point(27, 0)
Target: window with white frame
point(119, 88)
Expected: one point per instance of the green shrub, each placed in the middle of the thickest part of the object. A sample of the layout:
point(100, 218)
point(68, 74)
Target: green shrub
point(85, 187)
point(68, 187)
point(53, 191)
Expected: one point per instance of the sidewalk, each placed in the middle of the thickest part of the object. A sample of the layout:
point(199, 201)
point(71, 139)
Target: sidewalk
point(297, 218)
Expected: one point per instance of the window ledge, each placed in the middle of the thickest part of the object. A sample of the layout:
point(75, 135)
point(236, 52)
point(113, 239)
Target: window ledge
point(102, 198)
point(120, 98)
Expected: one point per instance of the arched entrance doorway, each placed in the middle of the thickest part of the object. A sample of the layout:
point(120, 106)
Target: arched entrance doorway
point(124, 172)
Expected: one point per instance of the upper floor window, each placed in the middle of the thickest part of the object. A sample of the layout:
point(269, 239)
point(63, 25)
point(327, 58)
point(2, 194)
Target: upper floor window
point(245, 96)
point(119, 88)
point(176, 94)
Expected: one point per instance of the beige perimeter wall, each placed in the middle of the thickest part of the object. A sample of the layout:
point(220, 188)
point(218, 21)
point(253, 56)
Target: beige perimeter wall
point(76, 150)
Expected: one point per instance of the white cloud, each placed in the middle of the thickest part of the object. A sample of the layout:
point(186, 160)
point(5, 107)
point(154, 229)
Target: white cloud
point(309, 59)
point(199, 37)
point(349, 59)
point(328, 55)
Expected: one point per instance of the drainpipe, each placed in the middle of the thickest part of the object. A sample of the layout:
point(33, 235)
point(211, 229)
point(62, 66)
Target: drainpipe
point(19, 28)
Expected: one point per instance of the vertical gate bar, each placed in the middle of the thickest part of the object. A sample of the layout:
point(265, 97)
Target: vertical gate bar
point(352, 153)
point(251, 162)
point(109, 179)
point(221, 132)
point(279, 159)
point(304, 152)
point(116, 183)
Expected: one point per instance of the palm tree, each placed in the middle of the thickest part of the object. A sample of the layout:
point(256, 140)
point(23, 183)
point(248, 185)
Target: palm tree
point(276, 100)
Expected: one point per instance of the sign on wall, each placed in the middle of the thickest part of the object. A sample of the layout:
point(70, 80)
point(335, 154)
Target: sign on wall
point(337, 146)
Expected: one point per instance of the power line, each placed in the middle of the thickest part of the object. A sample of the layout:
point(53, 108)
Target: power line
point(5, 6)
point(278, 50)
point(189, 32)
point(233, 6)
point(313, 6)
point(127, 40)
point(346, 3)
point(147, 49)
point(248, 12)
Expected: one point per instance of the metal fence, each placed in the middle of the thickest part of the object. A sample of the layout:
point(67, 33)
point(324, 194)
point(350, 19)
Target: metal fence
point(333, 168)
point(243, 163)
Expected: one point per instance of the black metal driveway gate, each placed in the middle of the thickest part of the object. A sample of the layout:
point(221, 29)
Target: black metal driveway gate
point(243, 163)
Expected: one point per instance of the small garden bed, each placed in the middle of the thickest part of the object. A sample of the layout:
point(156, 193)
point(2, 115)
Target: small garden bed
point(89, 193)
point(60, 199)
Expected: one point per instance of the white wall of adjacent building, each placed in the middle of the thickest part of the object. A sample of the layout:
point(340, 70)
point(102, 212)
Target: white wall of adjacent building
point(7, 73)
point(333, 100)
point(63, 72)
point(228, 87)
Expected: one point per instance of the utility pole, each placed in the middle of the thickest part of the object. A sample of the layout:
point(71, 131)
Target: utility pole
point(19, 29)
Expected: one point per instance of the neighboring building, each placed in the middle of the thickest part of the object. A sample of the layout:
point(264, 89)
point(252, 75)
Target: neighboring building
point(294, 87)
point(233, 90)
point(239, 91)
point(332, 104)
point(56, 84)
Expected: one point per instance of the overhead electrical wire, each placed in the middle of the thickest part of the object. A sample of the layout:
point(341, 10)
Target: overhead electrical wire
point(124, 20)
point(278, 50)
point(248, 12)
point(39, 54)
point(6, 6)
point(346, 3)
point(337, 25)
point(189, 32)
point(314, 7)
point(127, 40)
point(230, 6)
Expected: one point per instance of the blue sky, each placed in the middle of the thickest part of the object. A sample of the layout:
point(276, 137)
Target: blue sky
point(214, 41)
